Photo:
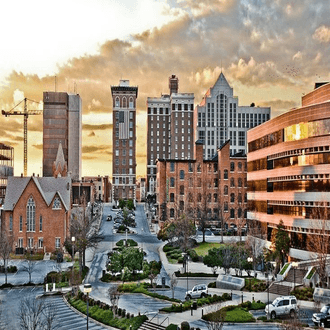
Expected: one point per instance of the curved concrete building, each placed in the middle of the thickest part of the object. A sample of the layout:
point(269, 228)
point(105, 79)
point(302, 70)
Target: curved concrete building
point(289, 168)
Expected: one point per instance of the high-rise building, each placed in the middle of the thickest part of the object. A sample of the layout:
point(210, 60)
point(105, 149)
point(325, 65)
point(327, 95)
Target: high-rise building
point(170, 129)
point(289, 172)
point(124, 140)
point(220, 118)
point(6, 168)
point(62, 125)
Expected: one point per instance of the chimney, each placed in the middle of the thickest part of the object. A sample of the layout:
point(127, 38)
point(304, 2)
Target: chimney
point(21, 175)
point(173, 84)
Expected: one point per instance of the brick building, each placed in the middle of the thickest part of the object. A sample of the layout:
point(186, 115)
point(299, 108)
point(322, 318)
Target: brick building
point(37, 212)
point(213, 189)
point(6, 168)
point(124, 140)
point(170, 129)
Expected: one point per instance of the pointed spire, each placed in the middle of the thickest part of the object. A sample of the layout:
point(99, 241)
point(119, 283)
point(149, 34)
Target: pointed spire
point(60, 165)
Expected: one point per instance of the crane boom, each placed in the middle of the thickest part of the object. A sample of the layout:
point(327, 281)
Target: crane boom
point(26, 113)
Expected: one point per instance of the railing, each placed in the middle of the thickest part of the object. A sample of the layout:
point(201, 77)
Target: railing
point(168, 320)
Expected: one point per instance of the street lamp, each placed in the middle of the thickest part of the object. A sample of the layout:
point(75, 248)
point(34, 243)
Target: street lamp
point(250, 259)
point(87, 290)
point(73, 239)
point(268, 295)
point(294, 265)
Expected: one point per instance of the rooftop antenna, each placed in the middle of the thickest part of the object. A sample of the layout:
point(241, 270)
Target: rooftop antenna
point(74, 87)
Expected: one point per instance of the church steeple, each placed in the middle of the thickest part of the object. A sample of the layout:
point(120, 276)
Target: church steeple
point(60, 167)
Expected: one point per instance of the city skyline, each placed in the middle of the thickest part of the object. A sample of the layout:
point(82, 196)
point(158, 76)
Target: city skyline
point(268, 53)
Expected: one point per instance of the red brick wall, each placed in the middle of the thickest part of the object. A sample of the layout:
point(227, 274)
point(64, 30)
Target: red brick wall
point(55, 222)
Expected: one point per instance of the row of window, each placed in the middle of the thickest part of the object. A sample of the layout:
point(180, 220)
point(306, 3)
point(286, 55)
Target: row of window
point(233, 214)
point(123, 161)
point(215, 168)
point(210, 198)
point(123, 142)
point(124, 180)
point(122, 103)
point(30, 243)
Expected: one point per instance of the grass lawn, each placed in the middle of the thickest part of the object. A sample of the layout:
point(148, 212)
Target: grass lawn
point(203, 248)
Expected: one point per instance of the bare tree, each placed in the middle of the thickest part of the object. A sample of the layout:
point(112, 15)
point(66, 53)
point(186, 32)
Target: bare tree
point(36, 314)
point(29, 265)
point(173, 283)
point(255, 242)
point(318, 243)
point(4, 319)
point(217, 320)
point(84, 229)
point(6, 247)
point(114, 296)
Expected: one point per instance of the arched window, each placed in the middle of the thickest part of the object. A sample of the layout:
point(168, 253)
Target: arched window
point(240, 183)
point(181, 174)
point(117, 102)
point(239, 198)
point(232, 213)
point(199, 197)
point(31, 215)
point(131, 103)
point(182, 190)
point(232, 182)
point(239, 166)
point(171, 213)
point(239, 213)
point(124, 102)
point(190, 198)
point(225, 190)
point(232, 167)
point(232, 198)
point(225, 174)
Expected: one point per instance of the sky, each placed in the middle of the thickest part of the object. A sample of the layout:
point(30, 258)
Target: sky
point(271, 52)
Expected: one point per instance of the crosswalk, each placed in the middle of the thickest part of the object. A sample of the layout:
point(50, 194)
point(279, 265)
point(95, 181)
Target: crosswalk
point(68, 319)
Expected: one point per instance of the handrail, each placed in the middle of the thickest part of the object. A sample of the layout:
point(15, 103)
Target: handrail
point(168, 320)
point(153, 317)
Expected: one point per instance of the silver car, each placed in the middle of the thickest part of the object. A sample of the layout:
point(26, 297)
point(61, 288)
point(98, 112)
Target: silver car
point(284, 305)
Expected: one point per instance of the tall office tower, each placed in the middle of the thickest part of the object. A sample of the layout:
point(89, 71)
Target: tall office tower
point(170, 129)
point(124, 141)
point(220, 118)
point(6, 168)
point(62, 124)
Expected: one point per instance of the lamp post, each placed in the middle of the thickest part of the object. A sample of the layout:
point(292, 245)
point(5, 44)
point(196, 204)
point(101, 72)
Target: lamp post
point(73, 239)
point(87, 289)
point(268, 295)
point(294, 265)
point(250, 259)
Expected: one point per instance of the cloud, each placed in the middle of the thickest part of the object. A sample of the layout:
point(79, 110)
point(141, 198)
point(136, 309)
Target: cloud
point(38, 146)
point(322, 34)
point(102, 127)
point(94, 149)
point(278, 106)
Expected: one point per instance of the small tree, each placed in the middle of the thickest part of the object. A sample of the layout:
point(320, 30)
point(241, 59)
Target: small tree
point(29, 265)
point(217, 320)
point(114, 296)
point(173, 283)
point(280, 243)
point(6, 247)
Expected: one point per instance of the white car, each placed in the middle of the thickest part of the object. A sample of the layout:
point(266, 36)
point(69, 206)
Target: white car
point(284, 305)
point(198, 291)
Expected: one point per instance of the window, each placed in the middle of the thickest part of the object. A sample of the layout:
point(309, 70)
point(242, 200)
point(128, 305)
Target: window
point(20, 223)
point(225, 190)
point(215, 182)
point(232, 198)
point(182, 190)
point(181, 174)
point(30, 215)
point(117, 152)
point(117, 104)
point(172, 166)
point(124, 102)
point(190, 183)
point(232, 213)
point(131, 104)
point(40, 243)
point(40, 223)
point(10, 222)
point(215, 198)
point(20, 242)
point(232, 182)
point(232, 167)
point(171, 197)
point(209, 198)
point(239, 165)
point(199, 197)
point(239, 213)
point(171, 213)
point(225, 207)
point(225, 174)
point(57, 203)
point(57, 243)
point(199, 182)
point(172, 182)
point(239, 198)
point(30, 242)
point(240, 183)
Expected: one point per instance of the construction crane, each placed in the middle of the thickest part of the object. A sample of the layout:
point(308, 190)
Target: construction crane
point(26, 113)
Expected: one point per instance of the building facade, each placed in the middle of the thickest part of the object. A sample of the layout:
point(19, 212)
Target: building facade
point(37, 212)
point(170, 128)
point(124, 141)
point(219, 118)
point(62, 124)
point(289, 170)
point(6, 168)
point(212, 189)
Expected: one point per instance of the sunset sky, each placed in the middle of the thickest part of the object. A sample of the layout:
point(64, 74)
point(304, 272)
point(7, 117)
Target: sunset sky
point(271, 52)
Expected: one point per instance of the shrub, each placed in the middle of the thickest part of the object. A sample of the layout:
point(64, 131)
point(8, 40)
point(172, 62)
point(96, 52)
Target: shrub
point(172, 327)
point(185, 325)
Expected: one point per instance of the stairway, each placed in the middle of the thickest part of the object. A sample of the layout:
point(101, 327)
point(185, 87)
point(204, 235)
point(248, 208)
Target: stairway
point(296, 276)
point(147, 325)
point(280, 289)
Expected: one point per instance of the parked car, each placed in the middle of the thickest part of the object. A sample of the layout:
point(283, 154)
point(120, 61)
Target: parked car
point(198, 291)
point(281, 306)
point(322, 319)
